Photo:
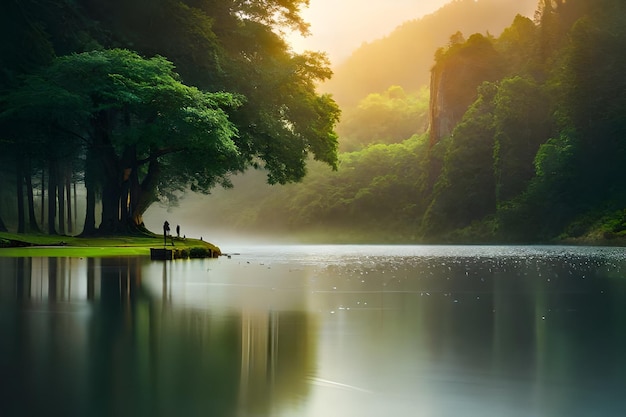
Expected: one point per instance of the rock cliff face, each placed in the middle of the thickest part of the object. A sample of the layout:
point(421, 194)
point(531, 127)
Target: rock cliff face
point(455, 77)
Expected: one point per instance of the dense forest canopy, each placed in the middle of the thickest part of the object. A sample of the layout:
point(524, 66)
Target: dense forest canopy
point(533, 147)
point(140, 101)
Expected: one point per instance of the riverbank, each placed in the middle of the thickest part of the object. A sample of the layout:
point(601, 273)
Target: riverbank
point(13, 244)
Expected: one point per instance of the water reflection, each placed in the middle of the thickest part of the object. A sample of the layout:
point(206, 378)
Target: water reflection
point(322, 332)
point(84, 337)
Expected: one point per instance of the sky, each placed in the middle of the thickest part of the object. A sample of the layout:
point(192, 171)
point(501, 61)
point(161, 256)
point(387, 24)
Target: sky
point(338, 27)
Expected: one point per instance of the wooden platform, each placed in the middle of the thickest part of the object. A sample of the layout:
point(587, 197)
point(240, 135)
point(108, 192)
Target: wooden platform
point(161, 254)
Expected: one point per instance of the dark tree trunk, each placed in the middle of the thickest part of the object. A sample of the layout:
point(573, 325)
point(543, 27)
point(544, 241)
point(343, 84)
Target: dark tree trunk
point(61, 200)
point(32, 218)
point(111, 176)
point(3, 228)
point(19, 189)
point(68, 193)
point(52, 192)
point(110, 207)
point(144, 195)
point(129, 187)
point(43, 198)
point(75, 204)
point(91, 164)
point(89, 228)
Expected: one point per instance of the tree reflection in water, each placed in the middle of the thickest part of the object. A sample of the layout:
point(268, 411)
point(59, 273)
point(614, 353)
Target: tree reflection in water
point(83, 337)
point(328, 331)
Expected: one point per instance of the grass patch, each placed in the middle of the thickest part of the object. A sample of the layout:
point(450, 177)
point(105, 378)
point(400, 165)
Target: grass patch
point(71, 246)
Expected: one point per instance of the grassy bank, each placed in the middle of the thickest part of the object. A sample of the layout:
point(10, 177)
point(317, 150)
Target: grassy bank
point(12, 244)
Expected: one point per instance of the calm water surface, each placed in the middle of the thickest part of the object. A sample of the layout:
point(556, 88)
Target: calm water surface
point(318, 331)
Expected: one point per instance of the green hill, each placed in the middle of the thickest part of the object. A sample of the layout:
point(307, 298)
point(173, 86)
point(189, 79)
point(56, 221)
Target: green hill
point(406, 55)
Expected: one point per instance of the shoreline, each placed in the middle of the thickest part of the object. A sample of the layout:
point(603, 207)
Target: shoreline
point(26, 245)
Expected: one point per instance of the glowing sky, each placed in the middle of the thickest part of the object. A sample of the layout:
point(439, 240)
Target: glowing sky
point(340, 26)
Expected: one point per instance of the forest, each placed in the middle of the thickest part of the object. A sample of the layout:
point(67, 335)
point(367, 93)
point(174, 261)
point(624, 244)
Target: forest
point(139, 101)
point(517, 137)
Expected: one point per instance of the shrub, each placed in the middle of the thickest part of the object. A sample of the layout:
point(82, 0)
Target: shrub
point(199, 252)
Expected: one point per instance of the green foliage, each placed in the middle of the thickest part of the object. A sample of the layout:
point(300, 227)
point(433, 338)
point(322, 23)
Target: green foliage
point(534, 154)
point(390, 117)
point(145, 104)
point(579, 174)
point(405, 56)
point(141, 128)
point(375, 194)
point(458, 72)
point(465, 190)
point(199, 252)
point(523, 123)
point(238, 47)
point(526, 137)
point(517, 44)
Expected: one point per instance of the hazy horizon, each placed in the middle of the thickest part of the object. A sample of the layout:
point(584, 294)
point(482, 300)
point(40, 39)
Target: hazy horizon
point(340, 27)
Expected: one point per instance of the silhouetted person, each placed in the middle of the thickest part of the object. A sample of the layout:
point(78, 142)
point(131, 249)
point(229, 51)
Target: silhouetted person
point(178, 231)
point(166, 228)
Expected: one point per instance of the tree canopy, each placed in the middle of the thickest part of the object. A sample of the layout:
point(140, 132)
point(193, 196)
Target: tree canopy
point(145, 99)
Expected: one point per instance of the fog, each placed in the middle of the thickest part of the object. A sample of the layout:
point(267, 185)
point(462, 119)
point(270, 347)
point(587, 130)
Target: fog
point(210, 217)
point(340, 27)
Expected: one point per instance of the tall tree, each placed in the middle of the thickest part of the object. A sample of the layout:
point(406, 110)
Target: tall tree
point(129, 112)
point(238, 46)
point(465, 190)
point(522, 117)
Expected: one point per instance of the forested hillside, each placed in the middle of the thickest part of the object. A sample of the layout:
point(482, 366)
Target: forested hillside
point(404, 57)
point(530, 145)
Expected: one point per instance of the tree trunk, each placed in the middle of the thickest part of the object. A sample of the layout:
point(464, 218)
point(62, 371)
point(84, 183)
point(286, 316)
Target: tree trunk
point(110, 207)
point(19, 190)
point(75, 204)
point(61, 199)
point(68, 193)
point(89, 228)
point(143, 195)
point(91, 164)
point(111, 178)
point(32, 218)
point(43, 198)
point(3, 227)
point(52, 192)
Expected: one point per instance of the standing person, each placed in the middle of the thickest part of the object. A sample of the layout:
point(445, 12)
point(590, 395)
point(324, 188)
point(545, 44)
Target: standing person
point(178, 231)
point(166, 228)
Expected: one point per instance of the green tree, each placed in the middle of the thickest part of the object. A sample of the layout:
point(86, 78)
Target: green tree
point(276, 117)
point(465, 190)
point(135, 119)
point(391, 117)
point(237, 46)
point(518, 46)
point(458, 72)
point(522, 116)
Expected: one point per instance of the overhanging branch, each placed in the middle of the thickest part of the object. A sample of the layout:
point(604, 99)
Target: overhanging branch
point(159, 153)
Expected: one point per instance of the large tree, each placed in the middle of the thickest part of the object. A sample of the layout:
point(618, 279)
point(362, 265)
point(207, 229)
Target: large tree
point(133, 118)
point(238, 46)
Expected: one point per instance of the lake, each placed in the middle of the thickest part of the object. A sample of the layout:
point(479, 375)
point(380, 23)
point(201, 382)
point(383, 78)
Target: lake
point(326, 331)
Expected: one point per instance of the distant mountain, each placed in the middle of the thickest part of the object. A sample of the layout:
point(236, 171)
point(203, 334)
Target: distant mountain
point(405, 57)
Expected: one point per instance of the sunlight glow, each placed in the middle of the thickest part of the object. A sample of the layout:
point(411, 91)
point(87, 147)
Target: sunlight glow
point(340, 27)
